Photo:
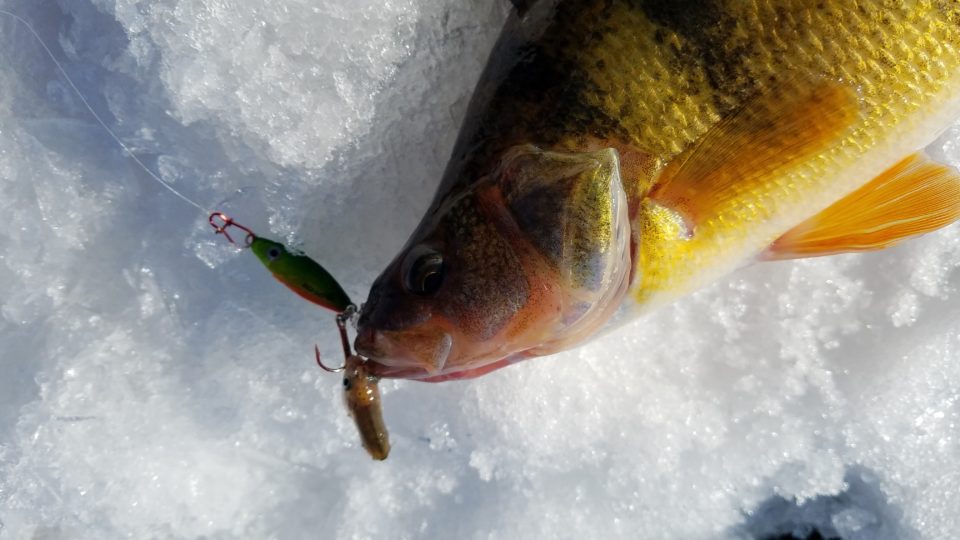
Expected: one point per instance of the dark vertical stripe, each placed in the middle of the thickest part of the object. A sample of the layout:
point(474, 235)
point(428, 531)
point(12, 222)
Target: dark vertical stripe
point(705, 25)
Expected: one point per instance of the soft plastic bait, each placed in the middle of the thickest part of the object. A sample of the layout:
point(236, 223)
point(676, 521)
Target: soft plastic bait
point(362, 397)
point(361, 394)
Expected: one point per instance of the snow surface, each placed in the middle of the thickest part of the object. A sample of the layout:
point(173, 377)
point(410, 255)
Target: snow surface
point(155, 383)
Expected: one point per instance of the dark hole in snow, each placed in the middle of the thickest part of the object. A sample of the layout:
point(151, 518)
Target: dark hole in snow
point(861, 512)
point(815, 535)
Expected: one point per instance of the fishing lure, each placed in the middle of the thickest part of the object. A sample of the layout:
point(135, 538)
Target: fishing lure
point(299, 273)
point(312, 282)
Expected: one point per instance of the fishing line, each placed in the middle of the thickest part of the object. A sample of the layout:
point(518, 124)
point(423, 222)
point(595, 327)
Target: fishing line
point(97, 117)
point(295, 270)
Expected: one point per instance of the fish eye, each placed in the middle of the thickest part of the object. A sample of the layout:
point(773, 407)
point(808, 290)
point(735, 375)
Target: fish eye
point(273, 253)
point(423, 271)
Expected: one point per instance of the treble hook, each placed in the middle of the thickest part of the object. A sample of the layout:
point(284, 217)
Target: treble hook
point(229, 222)
point(342, 319)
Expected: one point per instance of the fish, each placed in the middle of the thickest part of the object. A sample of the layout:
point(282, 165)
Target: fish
point(617, 155)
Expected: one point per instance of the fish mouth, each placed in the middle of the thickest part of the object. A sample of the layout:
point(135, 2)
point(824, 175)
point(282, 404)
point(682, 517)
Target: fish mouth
point(421, 350)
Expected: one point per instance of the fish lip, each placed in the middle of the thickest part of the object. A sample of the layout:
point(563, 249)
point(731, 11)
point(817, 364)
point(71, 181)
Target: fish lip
point(378, 347)
point(393, 372)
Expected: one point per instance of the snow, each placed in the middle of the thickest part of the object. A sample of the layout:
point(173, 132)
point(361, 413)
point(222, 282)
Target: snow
point(156, 383)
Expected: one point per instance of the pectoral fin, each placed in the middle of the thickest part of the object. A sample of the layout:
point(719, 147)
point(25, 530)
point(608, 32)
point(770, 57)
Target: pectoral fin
point(772, 132)
point(913, 197)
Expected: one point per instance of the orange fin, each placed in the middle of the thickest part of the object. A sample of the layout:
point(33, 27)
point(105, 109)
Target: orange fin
point(913, 197)
point(772, 132)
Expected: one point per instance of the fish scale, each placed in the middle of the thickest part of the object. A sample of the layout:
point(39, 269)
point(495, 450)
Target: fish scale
point(882, 50)
point(671, 103)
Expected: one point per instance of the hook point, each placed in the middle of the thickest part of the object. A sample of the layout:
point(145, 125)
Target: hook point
point(316, 351)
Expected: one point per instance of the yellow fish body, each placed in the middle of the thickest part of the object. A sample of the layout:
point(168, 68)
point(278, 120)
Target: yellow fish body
point(620, 153)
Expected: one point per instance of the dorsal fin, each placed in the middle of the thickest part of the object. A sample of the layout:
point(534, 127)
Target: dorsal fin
point(913, 197)
point(772, 132)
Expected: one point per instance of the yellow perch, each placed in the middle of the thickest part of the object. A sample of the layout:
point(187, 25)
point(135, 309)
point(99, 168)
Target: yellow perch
point(618, 154)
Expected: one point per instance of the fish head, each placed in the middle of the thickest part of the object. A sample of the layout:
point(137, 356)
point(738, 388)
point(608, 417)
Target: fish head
point(449, 299)
point(526, 260)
